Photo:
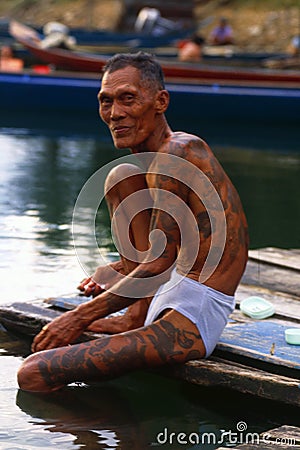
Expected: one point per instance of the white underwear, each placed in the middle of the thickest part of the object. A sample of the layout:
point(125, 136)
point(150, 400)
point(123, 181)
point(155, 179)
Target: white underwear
point(207, 308)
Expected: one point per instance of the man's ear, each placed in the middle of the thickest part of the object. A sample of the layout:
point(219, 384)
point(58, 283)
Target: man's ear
point(162, 101)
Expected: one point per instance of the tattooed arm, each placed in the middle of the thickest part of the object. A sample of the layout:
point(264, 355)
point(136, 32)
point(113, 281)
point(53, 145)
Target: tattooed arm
point(142, 282)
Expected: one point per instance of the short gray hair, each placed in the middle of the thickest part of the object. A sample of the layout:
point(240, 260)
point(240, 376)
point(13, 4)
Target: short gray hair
point(149, 68)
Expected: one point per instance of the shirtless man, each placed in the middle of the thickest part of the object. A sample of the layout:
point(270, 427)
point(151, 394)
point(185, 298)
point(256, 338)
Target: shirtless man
point(188, 308)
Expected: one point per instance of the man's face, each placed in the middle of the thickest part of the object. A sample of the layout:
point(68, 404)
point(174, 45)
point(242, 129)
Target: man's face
point(127, 107)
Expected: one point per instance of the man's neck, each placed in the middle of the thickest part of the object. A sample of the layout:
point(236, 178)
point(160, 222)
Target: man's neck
point(161, 132)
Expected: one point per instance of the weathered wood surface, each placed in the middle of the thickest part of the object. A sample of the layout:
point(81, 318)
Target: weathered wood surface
point(249, 341)
point(238, 377)
point(260, 340)
point(285, 437)
point(275, 278)
point(29, 318)
point(279, 257)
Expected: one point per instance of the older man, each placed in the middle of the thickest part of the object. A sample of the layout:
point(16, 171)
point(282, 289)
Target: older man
point(183, 244)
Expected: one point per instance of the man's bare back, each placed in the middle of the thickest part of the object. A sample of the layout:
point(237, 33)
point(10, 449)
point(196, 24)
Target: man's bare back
point(228, 272)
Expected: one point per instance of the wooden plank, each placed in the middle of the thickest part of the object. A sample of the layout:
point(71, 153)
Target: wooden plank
point(29, 318)
point(263, 446)
point(279, 257)
point(285, 432)
point(26, 318)
point(285, 437)
point(263, 341)
point(275, 278)
point(247, 380)
point(67, 302)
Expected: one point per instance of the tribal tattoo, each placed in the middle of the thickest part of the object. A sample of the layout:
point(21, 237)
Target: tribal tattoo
point(158, 344)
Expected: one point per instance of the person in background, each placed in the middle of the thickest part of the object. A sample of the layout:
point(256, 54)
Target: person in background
point(191, 50)
point(222, 34)
point(56, 35)
point(8, 63)
point(294, 46)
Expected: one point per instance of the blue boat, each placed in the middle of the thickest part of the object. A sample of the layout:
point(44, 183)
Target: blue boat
point(77, 93)
point(128, 39)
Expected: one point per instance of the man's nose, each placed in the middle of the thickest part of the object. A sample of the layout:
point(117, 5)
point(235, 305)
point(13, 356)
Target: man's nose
point(116, 111)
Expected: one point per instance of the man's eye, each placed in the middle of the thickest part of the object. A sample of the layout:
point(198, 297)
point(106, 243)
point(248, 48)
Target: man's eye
point(127, 98)
point(105, 101)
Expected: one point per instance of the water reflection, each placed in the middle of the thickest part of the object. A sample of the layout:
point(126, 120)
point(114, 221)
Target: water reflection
point(99, 417)
point(268, 183)
point(145, 410)
point(40, 180)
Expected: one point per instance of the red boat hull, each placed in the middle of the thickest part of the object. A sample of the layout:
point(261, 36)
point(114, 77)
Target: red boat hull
point(83, 62)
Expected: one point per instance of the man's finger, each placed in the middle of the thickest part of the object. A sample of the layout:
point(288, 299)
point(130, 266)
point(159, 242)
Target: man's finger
point(83, 283)
point(41, 340)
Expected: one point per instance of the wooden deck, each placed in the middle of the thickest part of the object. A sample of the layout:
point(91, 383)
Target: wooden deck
point(285, 437)
point(251, 357)
point(248, 357)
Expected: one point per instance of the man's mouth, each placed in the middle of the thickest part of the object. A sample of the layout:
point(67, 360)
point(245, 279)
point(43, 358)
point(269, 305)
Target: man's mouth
point(120, 129)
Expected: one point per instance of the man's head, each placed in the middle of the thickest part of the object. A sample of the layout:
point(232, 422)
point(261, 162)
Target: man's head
point(133, 99)
point(150, 70)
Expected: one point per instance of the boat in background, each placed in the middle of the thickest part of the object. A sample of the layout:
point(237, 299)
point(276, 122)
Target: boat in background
point(69, 93)
point(95, 38)
point(86, 62)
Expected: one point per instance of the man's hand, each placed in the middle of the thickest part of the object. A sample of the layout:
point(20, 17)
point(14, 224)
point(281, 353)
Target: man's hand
point(103, 278)
point(89, 287)
point(61, 331)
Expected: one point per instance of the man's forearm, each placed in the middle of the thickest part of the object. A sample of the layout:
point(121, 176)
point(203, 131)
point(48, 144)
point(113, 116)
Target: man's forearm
point(142, 282)
point(117, 265)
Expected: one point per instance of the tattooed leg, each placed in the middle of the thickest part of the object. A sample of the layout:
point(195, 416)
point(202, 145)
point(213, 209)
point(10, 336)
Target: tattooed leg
point(171, 339)
point(123, 181)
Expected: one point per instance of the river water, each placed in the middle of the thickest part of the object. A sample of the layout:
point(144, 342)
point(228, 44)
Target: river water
point(44, 163)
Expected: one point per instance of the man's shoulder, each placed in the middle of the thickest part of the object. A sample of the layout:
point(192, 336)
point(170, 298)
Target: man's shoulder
point(183, 140)
point(182, 150)
point(184, 144)
point(184, 135)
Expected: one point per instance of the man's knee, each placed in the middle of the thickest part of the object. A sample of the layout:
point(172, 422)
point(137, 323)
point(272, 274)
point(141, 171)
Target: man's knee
point(30, 377)
point(184, 335)
point(120, 174)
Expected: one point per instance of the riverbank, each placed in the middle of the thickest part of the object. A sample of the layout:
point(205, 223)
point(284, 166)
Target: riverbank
point(258, 26)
